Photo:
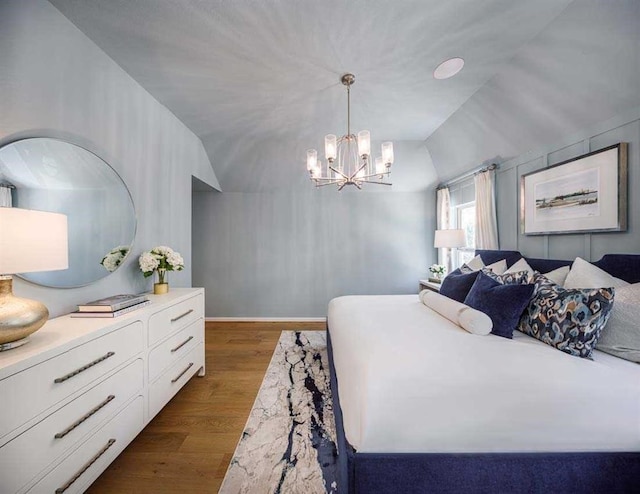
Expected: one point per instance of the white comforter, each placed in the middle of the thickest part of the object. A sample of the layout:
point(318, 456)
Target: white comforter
point(411, 381)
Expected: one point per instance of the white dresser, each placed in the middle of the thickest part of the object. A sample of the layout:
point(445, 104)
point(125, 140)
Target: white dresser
point(77, 394)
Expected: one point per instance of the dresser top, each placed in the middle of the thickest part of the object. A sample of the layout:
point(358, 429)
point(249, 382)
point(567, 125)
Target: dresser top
point(64, 332)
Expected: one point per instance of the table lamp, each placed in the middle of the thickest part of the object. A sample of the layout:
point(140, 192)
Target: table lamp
point(29, 241)
point(449, 239)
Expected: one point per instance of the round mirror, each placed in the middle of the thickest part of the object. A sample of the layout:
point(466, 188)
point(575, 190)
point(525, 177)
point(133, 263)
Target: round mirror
point(52, 175)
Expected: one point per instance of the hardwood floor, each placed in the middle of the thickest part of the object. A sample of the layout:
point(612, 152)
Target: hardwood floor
point(187, 447)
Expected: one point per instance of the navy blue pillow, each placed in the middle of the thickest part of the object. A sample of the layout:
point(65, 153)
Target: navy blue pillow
point(504, 304)
point(457, 284)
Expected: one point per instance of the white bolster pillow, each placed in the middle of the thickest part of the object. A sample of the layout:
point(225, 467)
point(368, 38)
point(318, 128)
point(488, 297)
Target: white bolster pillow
point(467, 318)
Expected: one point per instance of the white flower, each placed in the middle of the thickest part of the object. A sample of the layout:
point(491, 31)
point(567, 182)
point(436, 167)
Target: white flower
point(115, 257)
point(148, 263)
point(174, 259)
point(437, 269)
point(161, 259)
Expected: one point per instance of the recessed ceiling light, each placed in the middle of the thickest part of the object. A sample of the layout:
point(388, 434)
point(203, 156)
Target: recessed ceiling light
point(448, 68)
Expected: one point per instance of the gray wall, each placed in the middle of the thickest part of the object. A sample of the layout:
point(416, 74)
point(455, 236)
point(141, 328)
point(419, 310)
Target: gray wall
point(287, 250)
point(55, 82)
point(624, 128)
point(286, 254)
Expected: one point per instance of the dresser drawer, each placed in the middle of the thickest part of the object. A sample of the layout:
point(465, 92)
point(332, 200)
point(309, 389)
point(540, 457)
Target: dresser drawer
point(170, 382)
point(47, 440)
point(93, 456)
point(175, 317)
point(37, 388)
point(171, 350)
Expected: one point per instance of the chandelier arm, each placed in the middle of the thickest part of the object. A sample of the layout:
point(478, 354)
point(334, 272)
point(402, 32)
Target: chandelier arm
point(374, 182)
point(339, 172)
point(322, 184)
point(373, 175)
point(361, 167)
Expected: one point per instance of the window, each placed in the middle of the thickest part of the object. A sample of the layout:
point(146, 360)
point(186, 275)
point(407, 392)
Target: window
point(465, 218)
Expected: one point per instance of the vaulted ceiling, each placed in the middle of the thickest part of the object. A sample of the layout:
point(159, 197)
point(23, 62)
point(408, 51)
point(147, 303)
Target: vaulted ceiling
point(259, 81)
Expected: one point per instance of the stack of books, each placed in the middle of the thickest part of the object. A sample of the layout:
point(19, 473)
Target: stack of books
point(114, 306)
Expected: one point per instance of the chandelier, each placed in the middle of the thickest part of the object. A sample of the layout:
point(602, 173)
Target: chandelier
point(349, 157)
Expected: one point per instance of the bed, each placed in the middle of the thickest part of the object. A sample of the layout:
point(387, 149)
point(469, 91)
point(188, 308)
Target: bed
point(423, 406)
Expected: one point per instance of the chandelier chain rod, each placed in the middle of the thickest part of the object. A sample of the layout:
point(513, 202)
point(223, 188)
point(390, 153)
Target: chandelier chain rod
point(349, 109)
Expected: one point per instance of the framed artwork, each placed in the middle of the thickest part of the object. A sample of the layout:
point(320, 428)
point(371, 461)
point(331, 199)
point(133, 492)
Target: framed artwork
point(584, 194)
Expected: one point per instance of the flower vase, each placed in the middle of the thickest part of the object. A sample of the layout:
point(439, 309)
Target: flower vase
point(162, 286)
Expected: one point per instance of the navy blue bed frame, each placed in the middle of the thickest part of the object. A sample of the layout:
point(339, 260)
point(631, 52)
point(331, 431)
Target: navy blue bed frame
point(553, 473)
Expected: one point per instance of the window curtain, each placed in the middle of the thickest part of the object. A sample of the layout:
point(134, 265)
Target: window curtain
point(5, 196)
point(486, 220)
point(443, 222)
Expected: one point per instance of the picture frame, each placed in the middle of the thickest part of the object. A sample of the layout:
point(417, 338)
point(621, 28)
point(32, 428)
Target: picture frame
point(581, 195)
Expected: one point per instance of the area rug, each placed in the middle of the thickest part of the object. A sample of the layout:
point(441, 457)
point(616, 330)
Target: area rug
point(289, 442)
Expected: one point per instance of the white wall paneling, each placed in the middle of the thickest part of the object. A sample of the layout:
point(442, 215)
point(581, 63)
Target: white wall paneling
point(625, 128)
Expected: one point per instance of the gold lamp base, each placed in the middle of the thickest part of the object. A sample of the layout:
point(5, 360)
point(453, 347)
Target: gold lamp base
point(19, 317)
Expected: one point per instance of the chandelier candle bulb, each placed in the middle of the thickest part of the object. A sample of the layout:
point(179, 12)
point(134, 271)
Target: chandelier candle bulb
point(364, 143)
point(330, 147)
point(312, 159)
point(380, 168)
point(387, 153)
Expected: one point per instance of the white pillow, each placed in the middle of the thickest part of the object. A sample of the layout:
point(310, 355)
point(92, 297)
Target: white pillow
point(471, 320)
point(621, 335)
point(475, 264)
point(583, 274)
point(520, 265)
point(558, 276)
point(498, 267)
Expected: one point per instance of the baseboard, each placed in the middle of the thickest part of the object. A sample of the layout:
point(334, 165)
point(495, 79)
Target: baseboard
point(265, 319)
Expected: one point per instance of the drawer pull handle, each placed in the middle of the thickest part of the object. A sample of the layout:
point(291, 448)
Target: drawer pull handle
point(182, 344)
point(85, 467)
point(83, 368)
point(60, 435)
point(182, 373)
point(182, 315)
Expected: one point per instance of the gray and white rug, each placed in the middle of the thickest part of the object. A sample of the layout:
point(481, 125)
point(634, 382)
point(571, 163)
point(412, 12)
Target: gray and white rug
point(289, 442)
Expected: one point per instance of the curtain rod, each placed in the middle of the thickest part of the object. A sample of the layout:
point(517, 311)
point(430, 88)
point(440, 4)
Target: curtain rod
point(8, 186)
point(471, 173)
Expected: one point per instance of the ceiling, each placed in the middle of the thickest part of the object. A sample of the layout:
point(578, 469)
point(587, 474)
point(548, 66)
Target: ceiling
point(259, 81)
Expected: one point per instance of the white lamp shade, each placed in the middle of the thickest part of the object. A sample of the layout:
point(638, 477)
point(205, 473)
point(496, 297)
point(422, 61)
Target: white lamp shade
point(32, 241)
point(449, 239)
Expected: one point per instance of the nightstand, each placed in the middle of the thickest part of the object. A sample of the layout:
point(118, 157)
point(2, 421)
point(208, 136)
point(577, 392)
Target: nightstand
point(429, 285)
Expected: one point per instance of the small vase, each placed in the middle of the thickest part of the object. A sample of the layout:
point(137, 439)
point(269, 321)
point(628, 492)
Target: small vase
point(160, 288)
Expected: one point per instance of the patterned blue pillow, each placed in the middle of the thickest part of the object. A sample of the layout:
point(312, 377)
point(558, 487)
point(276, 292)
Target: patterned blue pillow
point(518, 278)
point(570, 320)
